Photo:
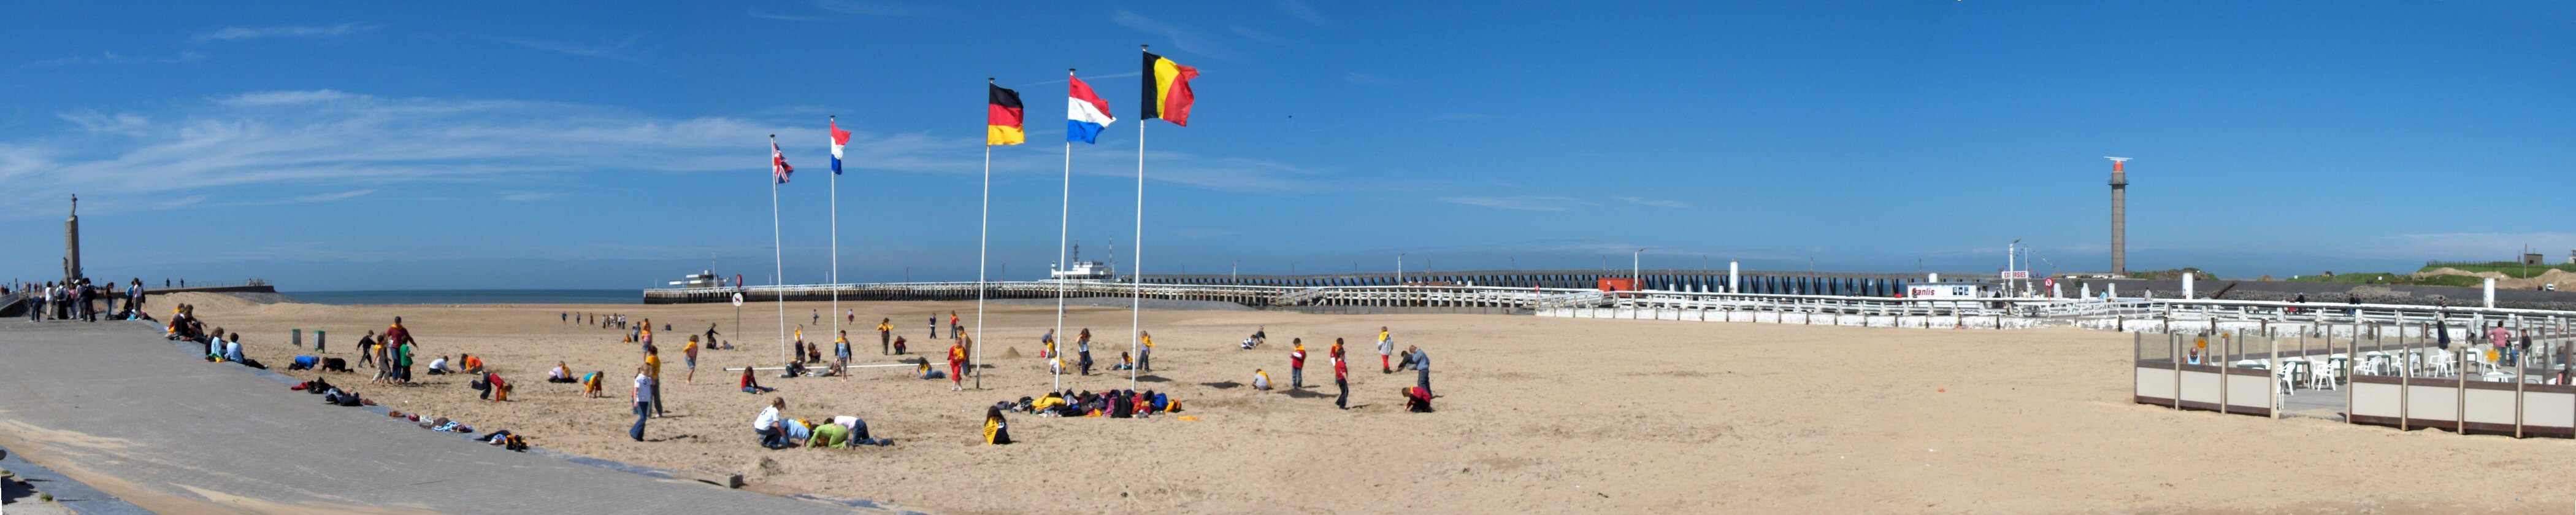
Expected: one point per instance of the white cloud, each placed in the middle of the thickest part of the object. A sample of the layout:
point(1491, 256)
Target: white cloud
point(1523, 203)
point(1653, 202)
point(116, 58)
point(359, 143)
point(286, 31)
point(327, 197)
point(870, 9)
point(1299, 9)
point(1186, 40)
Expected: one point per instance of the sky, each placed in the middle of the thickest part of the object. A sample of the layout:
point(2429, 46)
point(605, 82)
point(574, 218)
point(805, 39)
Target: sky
point(348, 146)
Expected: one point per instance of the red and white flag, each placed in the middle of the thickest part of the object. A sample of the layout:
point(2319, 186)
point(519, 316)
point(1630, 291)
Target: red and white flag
point(778, 162)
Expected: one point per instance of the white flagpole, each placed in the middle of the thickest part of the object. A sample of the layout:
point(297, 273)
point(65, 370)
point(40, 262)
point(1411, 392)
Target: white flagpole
point(1136, 307)
point(1064, 228)
point(777, 252)
point(836, 243)
point(983, 236)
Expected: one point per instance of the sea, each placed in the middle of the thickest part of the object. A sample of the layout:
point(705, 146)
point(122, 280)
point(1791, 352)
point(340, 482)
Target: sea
point(469, 296)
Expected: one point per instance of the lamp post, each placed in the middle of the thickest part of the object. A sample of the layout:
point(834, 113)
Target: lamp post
point(1399, 269)
point(1636, 268)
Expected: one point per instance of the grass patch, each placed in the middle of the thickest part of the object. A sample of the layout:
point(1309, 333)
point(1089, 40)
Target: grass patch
point(2508, 268)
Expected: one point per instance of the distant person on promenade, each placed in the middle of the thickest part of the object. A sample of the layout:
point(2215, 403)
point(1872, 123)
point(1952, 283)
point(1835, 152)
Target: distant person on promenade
point(1297, 363)
point(690, 354)
point(885, 336)
point(653, 367)
point(1385, 350)
point(643, 397)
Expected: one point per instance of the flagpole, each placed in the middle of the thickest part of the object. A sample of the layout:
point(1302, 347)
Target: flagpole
point(983, 238)
point(1064, 228)
point(777, 252)
point(836, 243)
point(1136, 307)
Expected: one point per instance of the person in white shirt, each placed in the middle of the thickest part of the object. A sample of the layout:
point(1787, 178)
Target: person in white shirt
point(767, 425)
point(643, 398)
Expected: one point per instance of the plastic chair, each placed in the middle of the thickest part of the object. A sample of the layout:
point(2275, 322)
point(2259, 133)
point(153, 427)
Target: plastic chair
point(2324, 379)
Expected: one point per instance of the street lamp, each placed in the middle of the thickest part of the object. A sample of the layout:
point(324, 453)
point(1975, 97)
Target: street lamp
point(1399, 269)
point(1636, 268)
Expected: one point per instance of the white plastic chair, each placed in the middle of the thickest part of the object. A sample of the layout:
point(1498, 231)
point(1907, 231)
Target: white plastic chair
point(2323, 378)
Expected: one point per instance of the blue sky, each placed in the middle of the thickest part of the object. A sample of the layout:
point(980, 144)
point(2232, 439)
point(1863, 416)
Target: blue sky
point(617, 145)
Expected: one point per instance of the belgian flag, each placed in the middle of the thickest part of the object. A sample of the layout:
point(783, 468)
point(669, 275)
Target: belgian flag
point(1167, 90)
point(1002, 117)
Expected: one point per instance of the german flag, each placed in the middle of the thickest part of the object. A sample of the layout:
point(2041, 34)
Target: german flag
point(1002, 117)
point(1167, 90)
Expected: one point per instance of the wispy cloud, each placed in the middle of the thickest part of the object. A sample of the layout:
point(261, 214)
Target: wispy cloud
point(358, 144)
point(1653, 202)
point(1258, 35)
point(620, 50)
point(117, 58)
point(1186, 40)
point(283, 31)
point(756, 13)
point(1299, 9)
point(1522, 203)
point(327, 197)
point(529, 196)
point(1366, 79)
point(853, 7)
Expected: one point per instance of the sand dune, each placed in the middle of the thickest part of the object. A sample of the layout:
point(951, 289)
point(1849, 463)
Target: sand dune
point(1538, 414)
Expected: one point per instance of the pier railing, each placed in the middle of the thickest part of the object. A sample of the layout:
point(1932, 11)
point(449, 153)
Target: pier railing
point(2127, 314)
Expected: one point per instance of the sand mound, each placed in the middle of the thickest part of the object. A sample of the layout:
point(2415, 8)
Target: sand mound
point(1010, 352)
point(760, 468)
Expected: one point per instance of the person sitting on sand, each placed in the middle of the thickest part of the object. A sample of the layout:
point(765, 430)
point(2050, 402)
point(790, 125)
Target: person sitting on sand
point(794, 368)
point(1124, 362)
point(438, 367)
point(769, 425)
point(1260, 379)
point(996, 430)
point(560, 374)
point(898, 345)
point(925, 372)
point(751, 385)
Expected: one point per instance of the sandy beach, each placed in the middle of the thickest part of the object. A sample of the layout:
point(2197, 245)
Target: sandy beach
point(1536, 414)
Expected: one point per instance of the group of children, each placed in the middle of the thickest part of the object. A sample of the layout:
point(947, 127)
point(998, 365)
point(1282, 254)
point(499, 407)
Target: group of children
point(776, 431)
point(1414, 358)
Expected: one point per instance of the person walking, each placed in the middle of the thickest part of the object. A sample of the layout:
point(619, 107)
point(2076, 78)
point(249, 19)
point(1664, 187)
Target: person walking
point(1082, 350)
point(1341, 376)
point(643, 399)
point(885, 336)
point(841, 356)
point(1385, 349)
point(1297, 363)
point(690, 354)
point(653, 367)
point(956, 362)
point(955, 327)
point(1145, 354)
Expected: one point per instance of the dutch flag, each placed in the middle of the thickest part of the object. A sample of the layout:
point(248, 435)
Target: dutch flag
point(1085, 115)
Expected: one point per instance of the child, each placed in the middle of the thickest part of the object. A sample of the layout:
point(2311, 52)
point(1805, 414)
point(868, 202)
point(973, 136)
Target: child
point(996, 430)
point(1260, 380)
point(957, 363)
point(751, 385)
point(590, 384)
point(1385, 350)
point(691, 355)
point(560, 374)
point(1297, 364)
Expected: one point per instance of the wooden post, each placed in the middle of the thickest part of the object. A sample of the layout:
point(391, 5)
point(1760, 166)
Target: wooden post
point(2277, 401)
point(2517, 377)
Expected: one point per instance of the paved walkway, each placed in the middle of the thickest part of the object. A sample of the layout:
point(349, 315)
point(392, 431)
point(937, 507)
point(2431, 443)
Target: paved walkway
point(116, 407)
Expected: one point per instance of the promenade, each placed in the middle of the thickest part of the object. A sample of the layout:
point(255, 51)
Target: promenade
point(116, 407)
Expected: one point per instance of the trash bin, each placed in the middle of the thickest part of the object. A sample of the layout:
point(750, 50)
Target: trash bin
point(295, 337)
point(317, 340)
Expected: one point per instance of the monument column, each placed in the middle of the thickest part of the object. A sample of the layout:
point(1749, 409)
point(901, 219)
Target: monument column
point(71, 244)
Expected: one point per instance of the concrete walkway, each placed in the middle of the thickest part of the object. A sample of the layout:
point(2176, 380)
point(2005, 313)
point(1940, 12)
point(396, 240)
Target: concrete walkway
point(116, 407)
